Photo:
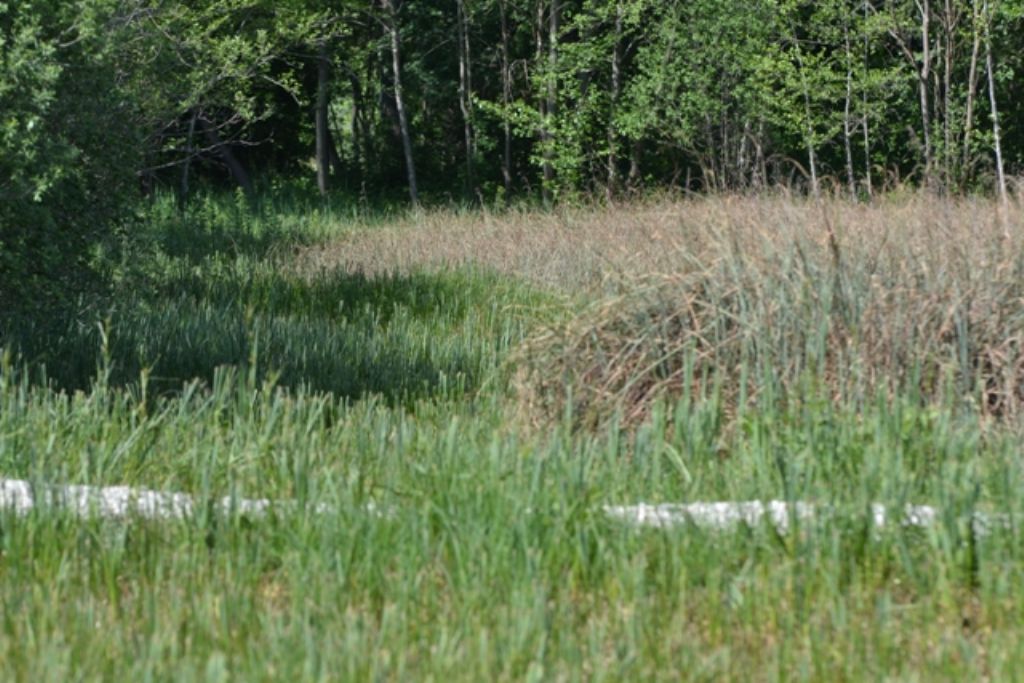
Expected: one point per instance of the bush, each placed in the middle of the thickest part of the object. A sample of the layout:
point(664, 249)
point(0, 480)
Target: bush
point(67, 152)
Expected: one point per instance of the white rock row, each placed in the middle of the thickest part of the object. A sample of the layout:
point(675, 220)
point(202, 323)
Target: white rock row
point(727, 515)
point(720, 515)
point(20, 496)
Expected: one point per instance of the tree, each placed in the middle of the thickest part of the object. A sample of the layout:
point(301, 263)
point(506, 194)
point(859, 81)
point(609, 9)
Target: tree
point(391, 8)
point(69, 146)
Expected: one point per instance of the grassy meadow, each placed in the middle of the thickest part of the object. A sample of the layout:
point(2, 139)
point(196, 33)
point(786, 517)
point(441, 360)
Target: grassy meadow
point(465, 390)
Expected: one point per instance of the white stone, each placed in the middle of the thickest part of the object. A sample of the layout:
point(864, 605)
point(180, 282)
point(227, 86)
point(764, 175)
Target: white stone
point(20, 496)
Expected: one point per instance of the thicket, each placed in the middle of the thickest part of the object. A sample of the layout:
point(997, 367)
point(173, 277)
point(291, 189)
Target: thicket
point(103, 102)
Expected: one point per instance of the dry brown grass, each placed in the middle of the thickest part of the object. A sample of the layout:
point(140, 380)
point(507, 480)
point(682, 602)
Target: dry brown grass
point(575, 248)
point(913, 294)
point(567, 250)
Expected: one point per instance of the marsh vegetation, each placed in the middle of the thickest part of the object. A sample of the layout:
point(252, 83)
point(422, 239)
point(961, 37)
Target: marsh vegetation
point(493, 381)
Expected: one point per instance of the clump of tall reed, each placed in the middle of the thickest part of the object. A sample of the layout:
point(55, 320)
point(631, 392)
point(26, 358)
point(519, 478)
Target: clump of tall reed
point(766, 301)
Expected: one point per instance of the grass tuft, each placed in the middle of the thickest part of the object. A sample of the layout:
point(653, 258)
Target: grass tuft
point(762, 307)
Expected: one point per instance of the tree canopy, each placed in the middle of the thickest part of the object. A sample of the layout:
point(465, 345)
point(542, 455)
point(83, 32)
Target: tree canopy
point(104, 101)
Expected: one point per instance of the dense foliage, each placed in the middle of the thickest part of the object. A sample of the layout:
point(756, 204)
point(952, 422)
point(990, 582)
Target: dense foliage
point(102, 101)
point(68, 153)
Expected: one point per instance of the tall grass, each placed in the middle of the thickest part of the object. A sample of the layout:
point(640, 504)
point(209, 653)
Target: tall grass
point(465, 544)
point(494, 560)
point(770, 302)
point(214, 287)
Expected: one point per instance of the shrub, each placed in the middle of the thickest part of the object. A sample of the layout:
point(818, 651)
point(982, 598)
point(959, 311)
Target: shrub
point(67, 166)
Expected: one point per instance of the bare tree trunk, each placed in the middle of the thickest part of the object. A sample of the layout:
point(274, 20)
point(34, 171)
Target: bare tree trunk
point(506, 100)
point(552, 98)
point(742, 179)
point(542, 105)
point(922, 68)
point(465, 90)
point(323, 143)
point(865, 113)
point(613, 161)
point(972, 86)
point(924, 75)
point(760, 170)
point(403, 123)
point(997, 138)
point(724, 147)
point(847, 105)
point(235, 167)
point(950, 20)
point(812, 159)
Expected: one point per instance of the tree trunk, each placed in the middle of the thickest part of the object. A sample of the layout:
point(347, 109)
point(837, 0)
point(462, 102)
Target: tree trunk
point(996, 135)
point(812, 159)
point(323, 141)
point(851, 181)
point(865, 114)
point(923, 76)
point(553, 66)
point(542, 106)
point(403, 123)
point(724, 149)
point(551, 103)
point(613, 161)
point(506, 100)
point(465, 91)
point(235, 167)
point(742, 160)
point(922, 68)
point(949, 22)
point(972, 89)
point(759, 170)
